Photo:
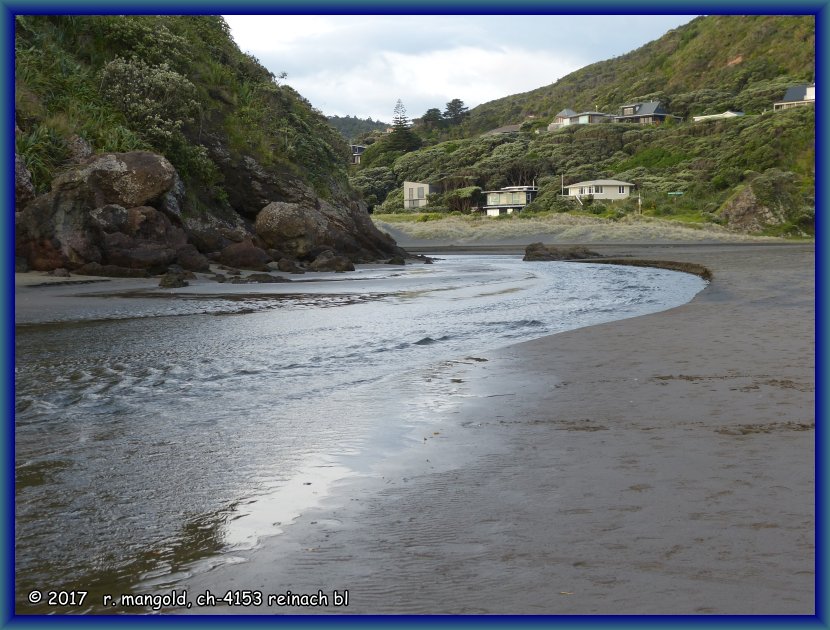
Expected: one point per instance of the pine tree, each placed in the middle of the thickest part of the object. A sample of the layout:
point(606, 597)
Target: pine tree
point(402, 138)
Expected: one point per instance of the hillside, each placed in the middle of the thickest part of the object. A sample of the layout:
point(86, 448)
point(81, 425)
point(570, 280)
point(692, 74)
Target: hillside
point(711, 64)
point(352, 128)
point(170, 90)
point(751, 174)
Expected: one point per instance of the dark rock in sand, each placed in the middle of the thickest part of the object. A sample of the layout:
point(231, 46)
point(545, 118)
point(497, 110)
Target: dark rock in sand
point(540, 251)
point(173, 280)
point(288, 266)
point(329, 261)
point(245, 255)
point(20, 265)
point(396, 260)
point(190, 258)
point(60, 272)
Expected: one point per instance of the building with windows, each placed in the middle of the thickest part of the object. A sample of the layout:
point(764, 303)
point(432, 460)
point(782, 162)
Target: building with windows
point(646, 113)
point(611, 189)
point(357, 151)
point(508, 200)
point(569, 117)
point(415, 194)
point(797, 96)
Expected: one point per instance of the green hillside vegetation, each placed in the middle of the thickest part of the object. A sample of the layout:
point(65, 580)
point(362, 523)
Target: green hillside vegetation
point(707, 66)
point(354, 129)
point(177, 85)
point(763, 162)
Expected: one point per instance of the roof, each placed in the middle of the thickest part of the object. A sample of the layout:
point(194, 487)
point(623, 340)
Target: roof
point(505, 129)
point(795, 93)
point(600, 182)
point(645, 109)
point(566, 113)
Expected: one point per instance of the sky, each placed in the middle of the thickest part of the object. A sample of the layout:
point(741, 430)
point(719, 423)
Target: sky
point(360, 65)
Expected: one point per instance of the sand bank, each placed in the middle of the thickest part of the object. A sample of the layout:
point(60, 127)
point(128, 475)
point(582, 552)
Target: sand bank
point(657, 465)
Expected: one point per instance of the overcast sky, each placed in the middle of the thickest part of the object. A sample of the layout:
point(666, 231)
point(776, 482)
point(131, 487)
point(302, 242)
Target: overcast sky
point(360, 65)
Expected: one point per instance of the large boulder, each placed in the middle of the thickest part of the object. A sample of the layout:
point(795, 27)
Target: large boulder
point(302, 228)
point(127, 179)
point(540, 251)
point(245, 255)
point(97, 213)
point(329, 261)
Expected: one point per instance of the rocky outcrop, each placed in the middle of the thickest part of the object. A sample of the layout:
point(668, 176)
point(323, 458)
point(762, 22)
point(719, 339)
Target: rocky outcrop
point(96, 213)
point(329, 261)
point(124, 211)
point(768, 199)
point(540, 251)
point(300, 229)
point(245, 255)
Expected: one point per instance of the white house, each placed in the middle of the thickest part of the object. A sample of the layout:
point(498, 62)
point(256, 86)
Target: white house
point(726, 114)
point(415, 194)
point(508, 200)
point(611, 189)
point(797, 96)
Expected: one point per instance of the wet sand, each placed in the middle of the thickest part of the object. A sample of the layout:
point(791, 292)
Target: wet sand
point(657, 465)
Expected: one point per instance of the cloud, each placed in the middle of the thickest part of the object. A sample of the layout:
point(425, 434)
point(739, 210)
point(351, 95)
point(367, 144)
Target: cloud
point(360, 65)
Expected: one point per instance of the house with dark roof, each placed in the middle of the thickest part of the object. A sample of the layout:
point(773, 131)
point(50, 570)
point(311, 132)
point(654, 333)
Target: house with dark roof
point(644, 113)
point(357, 151)
point(570, 117)
point(797, 96)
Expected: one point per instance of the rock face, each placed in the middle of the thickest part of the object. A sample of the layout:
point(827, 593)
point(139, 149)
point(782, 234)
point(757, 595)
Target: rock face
point(96, 213)
point(117, 212)
point(540, 251)
point(245, 255)
point(329, 261)
point(300, 229)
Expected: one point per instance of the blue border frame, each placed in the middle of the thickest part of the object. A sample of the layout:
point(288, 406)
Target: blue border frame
point(8, 8)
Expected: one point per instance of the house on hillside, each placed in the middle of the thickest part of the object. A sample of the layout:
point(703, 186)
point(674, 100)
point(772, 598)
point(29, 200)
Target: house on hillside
point(726, 114)
point(569, 117)
point(610, 189)
point(508, 200)
point(505, 129)
point(797, 96)
point(645, 113)
point(357, 151)
point(561, 119)
point(415, 194)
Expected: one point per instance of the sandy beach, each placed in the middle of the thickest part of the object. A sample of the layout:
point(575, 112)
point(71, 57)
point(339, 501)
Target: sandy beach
point(657, 465)
point(662, 464)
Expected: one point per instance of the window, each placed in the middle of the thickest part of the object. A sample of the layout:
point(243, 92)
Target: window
point(628, 111)
point(622, 190)
point(420, 192)
point(598, 189)
point(493, 199)
point(516, 198)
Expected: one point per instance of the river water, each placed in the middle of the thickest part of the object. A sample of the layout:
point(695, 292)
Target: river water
point(155, 437)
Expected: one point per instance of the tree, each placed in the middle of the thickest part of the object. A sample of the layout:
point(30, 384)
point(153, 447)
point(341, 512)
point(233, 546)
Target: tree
point(455, 111)
point(402, 138)
point(432, 119)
